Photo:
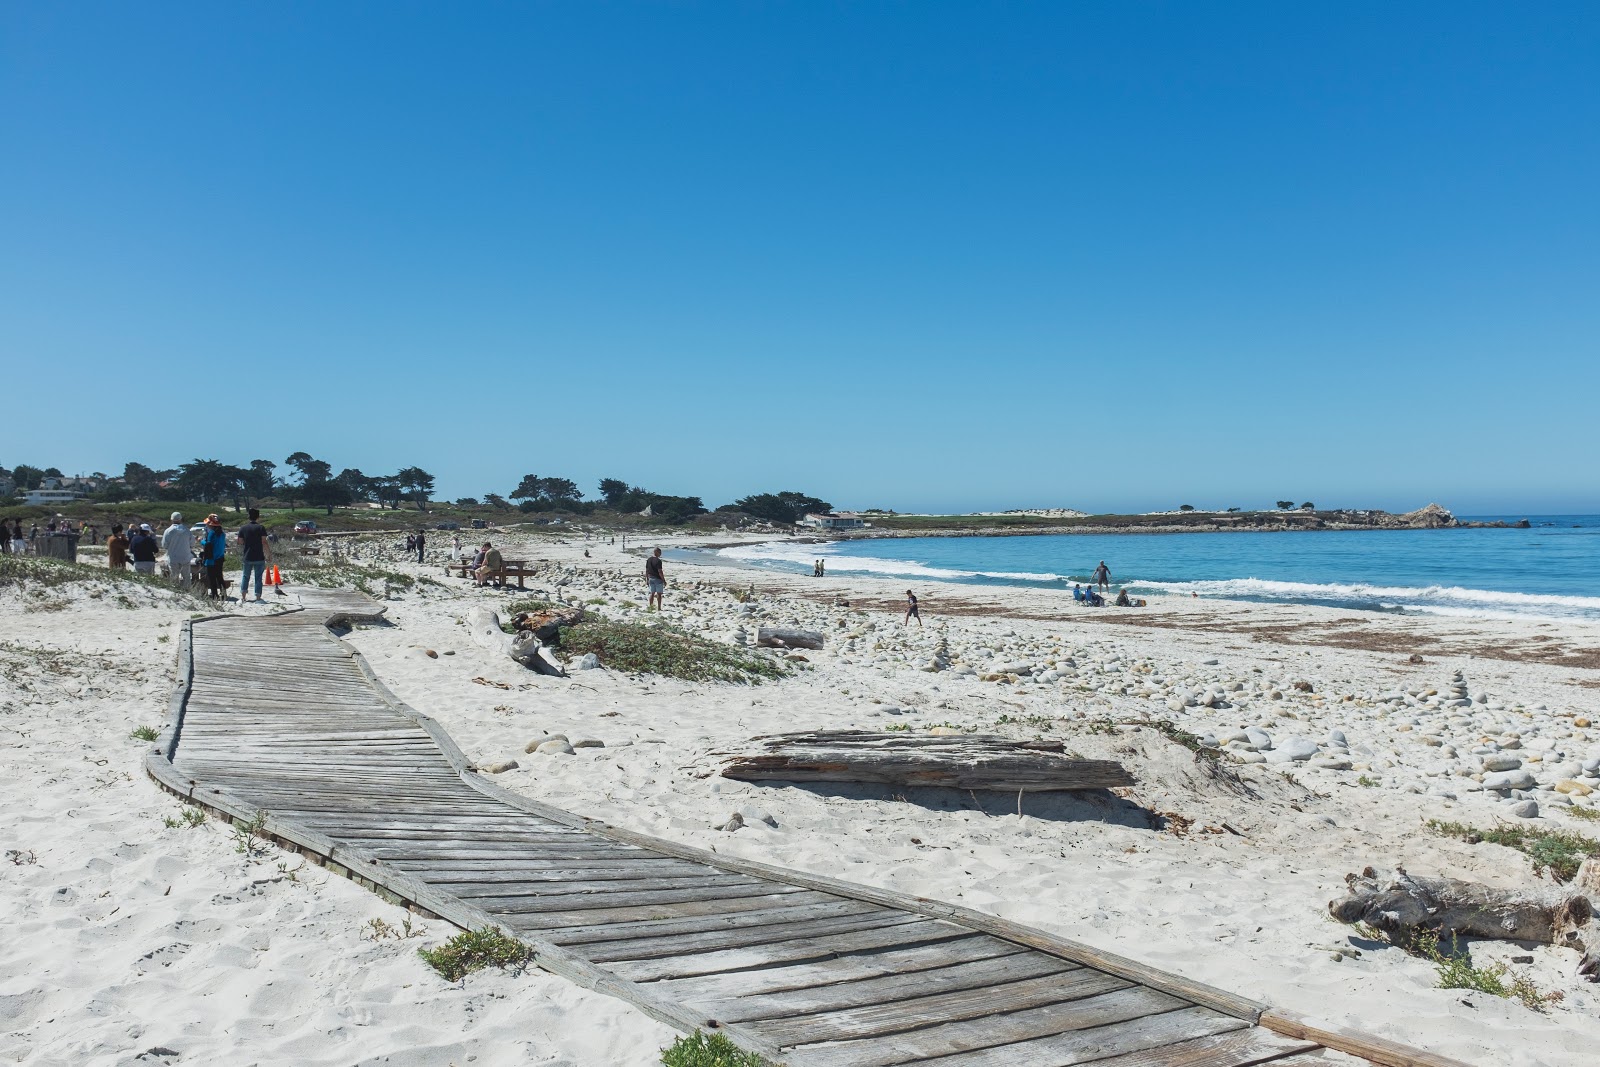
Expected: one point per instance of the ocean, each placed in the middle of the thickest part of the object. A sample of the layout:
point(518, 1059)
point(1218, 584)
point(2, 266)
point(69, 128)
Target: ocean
point(1551, 570)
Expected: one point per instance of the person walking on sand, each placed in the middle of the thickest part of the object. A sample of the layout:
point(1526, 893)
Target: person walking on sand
point(422, 544)
point(117, 549)
point(213, 550)
point(253, 553)
point(179, 546)
point(911, 608)
point(1102, 576)
point(656, 578)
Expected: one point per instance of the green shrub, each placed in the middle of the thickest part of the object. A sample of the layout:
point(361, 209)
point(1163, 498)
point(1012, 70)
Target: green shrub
point(517, 607)
point(1559, 851)
point(698, 1050)
point(473, 951)
point(666, 650)
point(145, 733)
point(1457, 971)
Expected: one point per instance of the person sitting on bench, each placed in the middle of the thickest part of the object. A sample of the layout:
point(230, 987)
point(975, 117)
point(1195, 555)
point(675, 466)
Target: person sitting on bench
point(492, 568)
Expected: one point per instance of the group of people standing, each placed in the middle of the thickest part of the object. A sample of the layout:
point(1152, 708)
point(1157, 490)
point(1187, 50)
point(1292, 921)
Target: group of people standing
point(184, 552)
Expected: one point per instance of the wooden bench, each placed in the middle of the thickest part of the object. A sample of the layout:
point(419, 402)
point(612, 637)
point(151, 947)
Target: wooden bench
point(519, 569)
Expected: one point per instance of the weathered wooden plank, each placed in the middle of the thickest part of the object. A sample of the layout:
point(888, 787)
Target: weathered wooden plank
point(797, 950)
point(937, 1038)
point(794, 1004)
point(1235, 1048)
point(535, 921)
point(488, 894)
point(585, 939)
point(1047, 993)
point(1064, 1048)
point(899, 960)
point(532, 902)
point(1368, 1046)
point(687, 944)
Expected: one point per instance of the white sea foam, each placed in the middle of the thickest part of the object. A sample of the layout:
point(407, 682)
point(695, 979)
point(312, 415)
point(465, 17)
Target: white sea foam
point(1431, 600)
point(792, 556)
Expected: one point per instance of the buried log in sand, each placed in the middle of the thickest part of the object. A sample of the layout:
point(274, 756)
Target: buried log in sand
point(959, 761)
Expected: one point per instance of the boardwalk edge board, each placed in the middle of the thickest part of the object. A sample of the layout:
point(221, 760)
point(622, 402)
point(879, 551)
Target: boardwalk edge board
point(369, 871)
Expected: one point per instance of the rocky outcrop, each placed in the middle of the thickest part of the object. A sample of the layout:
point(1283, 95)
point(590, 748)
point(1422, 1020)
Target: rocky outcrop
point(1432, 517)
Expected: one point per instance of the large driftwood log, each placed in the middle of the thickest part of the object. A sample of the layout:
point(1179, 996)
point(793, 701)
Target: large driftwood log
point(960, 761)
point(528, 650)
point(1400, 904)
point(546, 625)
point(787, 637)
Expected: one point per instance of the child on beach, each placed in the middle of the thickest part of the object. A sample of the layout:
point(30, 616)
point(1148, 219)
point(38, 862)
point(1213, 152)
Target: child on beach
point(911, 608)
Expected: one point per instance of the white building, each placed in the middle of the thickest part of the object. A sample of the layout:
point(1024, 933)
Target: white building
point(843, 520)
point(50, 496)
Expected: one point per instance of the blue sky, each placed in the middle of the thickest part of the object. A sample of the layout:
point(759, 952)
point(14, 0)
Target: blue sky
point(922, 256)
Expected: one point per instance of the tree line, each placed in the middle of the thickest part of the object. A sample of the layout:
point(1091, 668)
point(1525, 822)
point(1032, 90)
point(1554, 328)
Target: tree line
point(304, 479)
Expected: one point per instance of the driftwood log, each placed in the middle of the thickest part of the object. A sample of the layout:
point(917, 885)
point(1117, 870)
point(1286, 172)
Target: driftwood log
point(546, 625)
point(1400, 905)
point(787, 637)
point(959, 761)
point(484, 626)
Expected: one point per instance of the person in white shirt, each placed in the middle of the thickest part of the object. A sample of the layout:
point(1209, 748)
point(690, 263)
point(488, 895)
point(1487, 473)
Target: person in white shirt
point(179, 545)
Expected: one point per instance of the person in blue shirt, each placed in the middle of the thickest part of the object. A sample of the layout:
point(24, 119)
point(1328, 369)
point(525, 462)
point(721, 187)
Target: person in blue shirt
point(213, 548)
point(1077, 593)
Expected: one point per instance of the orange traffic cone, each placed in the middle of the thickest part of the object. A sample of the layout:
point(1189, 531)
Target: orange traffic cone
point(272, 577)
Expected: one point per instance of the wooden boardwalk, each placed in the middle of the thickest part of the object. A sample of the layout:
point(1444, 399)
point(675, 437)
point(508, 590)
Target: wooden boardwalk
point(275, 718)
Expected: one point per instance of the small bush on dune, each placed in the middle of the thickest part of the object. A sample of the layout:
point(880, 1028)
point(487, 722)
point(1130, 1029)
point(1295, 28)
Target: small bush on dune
point(698, 1050)
point(145, 733)
point(666, 650)
point(1559, 851)
point(475, 950)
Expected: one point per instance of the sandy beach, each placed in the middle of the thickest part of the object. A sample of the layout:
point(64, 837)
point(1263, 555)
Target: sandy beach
point(138, 938)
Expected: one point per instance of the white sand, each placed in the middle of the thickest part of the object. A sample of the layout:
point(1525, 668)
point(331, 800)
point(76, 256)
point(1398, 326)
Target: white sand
point(245, 966)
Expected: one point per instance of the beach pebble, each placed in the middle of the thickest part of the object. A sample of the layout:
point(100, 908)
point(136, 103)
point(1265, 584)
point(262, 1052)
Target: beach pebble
point(553, 747)
point(499, 767)
point(731, 823)
point(1501, 761)
point(1525, 809)
point(588, 662)
point(587, 742)
point(1295, 749)
point(1259, 738)
point(1506, 780)
point(1333, 763)
point(1572, 788)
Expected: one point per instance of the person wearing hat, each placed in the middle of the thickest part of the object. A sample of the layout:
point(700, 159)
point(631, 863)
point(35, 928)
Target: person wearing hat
point(178, 543)
point(143, 546)
point(213, 549)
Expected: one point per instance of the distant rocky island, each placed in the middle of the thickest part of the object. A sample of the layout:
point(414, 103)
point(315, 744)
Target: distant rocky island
point(1065, 520)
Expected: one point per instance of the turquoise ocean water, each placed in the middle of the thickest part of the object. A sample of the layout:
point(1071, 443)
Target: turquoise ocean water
point(1551, 570)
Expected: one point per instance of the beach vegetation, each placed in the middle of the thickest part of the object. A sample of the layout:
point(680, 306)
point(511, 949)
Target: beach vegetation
point(475, 950)
point(189, 817)
point(1367, 782)
point(707, 1050)
point(1185, 507)
point(1560, 852)
point(1586, 814)
point(145, 733)
point(1456, 970)
point(383, 930)
point(664, 649)
point(249, 836)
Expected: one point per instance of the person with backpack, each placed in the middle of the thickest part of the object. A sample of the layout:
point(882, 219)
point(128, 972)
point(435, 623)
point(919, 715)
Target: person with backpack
point(213, 550)
point(142, 546)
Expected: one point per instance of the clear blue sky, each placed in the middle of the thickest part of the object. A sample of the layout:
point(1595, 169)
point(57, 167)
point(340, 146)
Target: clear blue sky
point(915, 255)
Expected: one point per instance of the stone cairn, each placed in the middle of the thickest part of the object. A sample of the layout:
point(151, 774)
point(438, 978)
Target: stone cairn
point(1456, 695)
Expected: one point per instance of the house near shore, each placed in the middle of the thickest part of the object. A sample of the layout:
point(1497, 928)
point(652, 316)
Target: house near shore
point(50, 496)
point(842, 520)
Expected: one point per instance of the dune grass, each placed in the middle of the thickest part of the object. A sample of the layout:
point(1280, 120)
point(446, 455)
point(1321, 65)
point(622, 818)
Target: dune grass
point(660, 648)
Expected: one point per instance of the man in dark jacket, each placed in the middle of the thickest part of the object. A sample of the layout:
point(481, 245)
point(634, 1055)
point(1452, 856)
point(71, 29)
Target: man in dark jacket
point(143, 547)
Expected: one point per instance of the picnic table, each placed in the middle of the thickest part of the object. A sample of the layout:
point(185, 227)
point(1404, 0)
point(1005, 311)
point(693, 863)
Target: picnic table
point(519, 569)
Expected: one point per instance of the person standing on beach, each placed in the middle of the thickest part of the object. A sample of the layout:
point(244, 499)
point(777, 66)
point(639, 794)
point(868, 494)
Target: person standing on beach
point(143, 547)
point(117, 549)
point(911, 608)
point(1102, 576)
point(213, 550)
point(656, 578)
point(253, 552)
point(179, 546)
point(422, 544)
point(18, 545)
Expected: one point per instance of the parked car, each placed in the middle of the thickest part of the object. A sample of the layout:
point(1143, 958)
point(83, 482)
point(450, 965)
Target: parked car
point(480, 524)
point(305, 528)
point(447, 525)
